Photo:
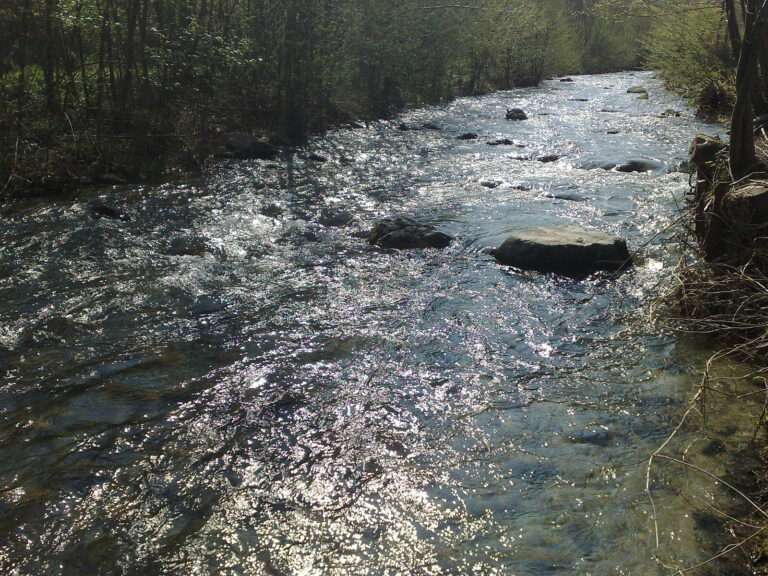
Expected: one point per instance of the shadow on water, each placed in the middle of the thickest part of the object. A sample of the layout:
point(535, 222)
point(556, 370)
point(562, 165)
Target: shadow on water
point(233, 382)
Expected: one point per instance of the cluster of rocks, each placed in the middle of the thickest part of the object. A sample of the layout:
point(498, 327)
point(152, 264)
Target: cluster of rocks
point(566, 250)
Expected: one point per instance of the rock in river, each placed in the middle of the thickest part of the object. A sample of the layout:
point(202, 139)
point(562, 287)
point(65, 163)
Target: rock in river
point(188, 246)
point(640, 166)
point(568, 250)
point(406, 233)
point(516, 114)
point(637, 90)
point(100, 210)
point(502, 142)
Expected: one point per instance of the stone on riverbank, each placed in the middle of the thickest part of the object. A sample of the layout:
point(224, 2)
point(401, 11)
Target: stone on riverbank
point(407, 234)
point(704, 150)
point(747, 206)
point(567, 250)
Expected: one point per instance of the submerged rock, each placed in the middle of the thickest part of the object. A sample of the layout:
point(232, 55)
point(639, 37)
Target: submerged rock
point(491, 183)
point(637, 90)
point(403, 127)
point(188, 246)
point(100, 210)
point(602, 438)
point(272, 210)
point(640, 166)
point(671, 113)
point(549, 158)
point(567, 197)
point(468, 136)
point(406, 233)
point(568, 250)
point(516, 114)
point(502, 142)
point(333, 218)
point(52, 331)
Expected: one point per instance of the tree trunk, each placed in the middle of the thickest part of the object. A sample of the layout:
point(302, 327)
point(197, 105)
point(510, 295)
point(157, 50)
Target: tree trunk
point(49, 67)
point(21, 88)
point(733, 28)
point(742, 123)
point(81, 54)
point(130, 52)
point(762, 52)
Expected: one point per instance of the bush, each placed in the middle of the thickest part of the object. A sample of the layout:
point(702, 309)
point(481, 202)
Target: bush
point(689, 50)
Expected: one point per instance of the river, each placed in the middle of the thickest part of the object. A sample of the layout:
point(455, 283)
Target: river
point(233, 382)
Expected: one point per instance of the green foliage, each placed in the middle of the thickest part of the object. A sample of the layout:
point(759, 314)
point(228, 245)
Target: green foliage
point(174, 73)
point(688, 46)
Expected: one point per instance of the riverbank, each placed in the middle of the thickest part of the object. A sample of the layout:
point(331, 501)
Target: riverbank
point(720, 294)
point(72, 162)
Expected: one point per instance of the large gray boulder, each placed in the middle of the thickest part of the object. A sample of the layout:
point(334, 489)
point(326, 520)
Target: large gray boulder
point(406, 234)
point(567, 250)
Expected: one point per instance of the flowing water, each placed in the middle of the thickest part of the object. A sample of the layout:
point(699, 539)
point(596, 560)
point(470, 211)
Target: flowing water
point(233, 382)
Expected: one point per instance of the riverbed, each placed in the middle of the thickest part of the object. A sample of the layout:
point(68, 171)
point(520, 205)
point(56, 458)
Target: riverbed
point(232, 381)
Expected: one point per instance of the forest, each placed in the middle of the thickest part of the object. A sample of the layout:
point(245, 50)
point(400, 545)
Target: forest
point(123, 86)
